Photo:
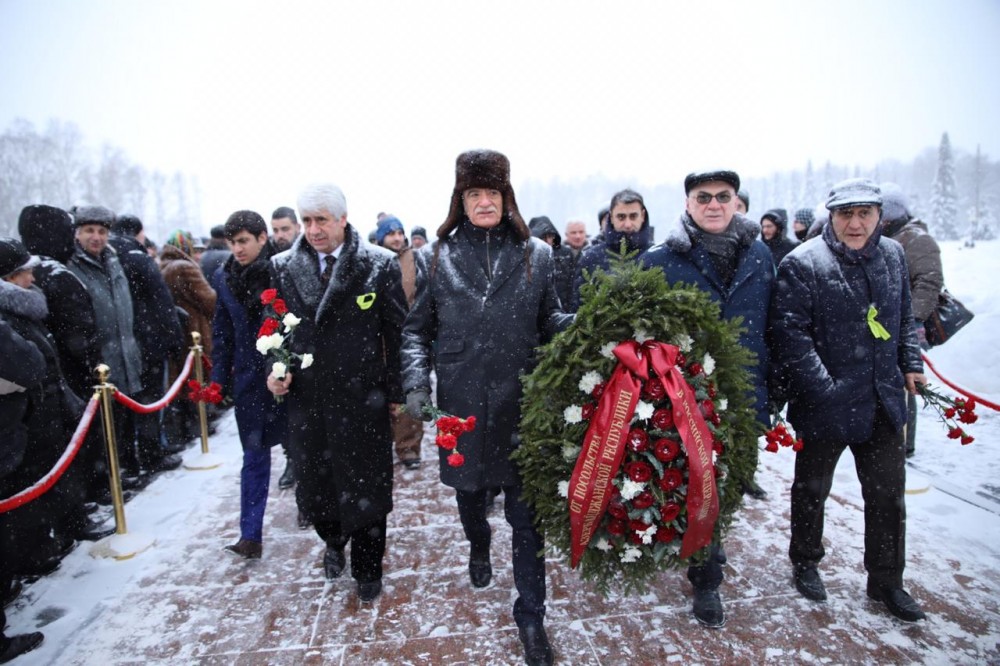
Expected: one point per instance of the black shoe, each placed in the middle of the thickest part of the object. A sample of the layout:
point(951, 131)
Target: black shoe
point(897, 601)
point(36, 568)
point(248, 550)
point(19, 644)
point(287, 479)
point(367, 592)
point(809, 584)
point(708, 608)
point(12, 593)
point(105, 498)
point(132, 481)
point(537, 651)
point(90, 507)
point(753, 490)
point(334, 562)
point(720, 555)
point(910, 452)
point(165, 464)
point(175, 447)
point(412, 463)
point(303, 522)
point(92, 532)
point(480, 572)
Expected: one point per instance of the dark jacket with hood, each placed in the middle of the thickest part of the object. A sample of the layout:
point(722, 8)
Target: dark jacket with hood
point(780, 244)
point(834, 371)
point(747, 295)
point(562, 256)
point(22, 369)
point(597, 257)
point(352, 329)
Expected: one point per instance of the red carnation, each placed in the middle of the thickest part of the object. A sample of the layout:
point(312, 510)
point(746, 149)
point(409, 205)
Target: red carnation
point(663, 419)
point(666, 534)
point(695, 369)
point(968, 417)
point(955, 433)
point(616, 527)
point(617, 510)
point(639, 472)
point(470, 423)
point(268, 327)
point(672, 479)
point(446, 441)
point(670, 511)
point(950, 412)
point(772, 446)
point(279, 307)
point(268, 295)
point(456, 459)
point(637, 440)
point(665, 449)
point(643, 500)
point(967, 439)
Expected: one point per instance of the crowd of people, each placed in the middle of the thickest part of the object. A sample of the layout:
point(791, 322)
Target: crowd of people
point(376, 319)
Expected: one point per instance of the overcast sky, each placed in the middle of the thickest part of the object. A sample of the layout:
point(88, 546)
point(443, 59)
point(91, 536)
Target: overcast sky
point(259, 99)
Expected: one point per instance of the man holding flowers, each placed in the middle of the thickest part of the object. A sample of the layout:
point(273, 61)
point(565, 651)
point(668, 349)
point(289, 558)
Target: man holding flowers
point(349, 299)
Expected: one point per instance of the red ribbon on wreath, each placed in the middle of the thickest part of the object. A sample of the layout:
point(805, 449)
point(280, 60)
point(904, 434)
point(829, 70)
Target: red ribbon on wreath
point(604, 446)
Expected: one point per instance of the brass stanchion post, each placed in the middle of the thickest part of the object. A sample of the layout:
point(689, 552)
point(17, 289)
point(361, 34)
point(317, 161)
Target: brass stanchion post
point(106, 391)
point(200, 376)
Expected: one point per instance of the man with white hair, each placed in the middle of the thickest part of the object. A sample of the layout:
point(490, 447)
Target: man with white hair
point(349, 297)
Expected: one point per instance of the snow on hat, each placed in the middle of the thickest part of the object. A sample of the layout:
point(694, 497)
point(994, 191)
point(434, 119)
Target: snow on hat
point(386, 226)
point(698, 177)
point(854, 192)
point(14, 257)
point(418, 231)
point(894, 203)
point(83, 215)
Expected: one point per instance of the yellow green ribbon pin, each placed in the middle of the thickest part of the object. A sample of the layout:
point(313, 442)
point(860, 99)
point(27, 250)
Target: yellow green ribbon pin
point(365, 300)
point(878, 330)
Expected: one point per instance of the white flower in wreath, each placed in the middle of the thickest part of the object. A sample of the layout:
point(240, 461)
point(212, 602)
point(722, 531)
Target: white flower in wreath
point(589, 381)
point(647, 534)
point(571, 452)
point(643, 411)
point(603, 545)
point(630, 489)
point(722, 404)
point(708, 364)
point(563, 487)
point(608, 349)
point(684, 342)
point(573, 414)
point(641, 335)
point(631, 554)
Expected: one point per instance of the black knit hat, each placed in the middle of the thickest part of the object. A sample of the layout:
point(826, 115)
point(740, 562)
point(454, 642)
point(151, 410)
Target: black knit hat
point(46, 230)
point(488, 169)
point(83, 215)
point(418, 231)
point(14, 257)
point(697, 178)
point(126, 225)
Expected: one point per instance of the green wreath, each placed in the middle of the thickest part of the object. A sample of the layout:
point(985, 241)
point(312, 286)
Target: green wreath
point(631, 303)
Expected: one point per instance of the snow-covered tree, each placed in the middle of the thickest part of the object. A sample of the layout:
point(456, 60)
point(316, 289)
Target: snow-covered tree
point(943, 218)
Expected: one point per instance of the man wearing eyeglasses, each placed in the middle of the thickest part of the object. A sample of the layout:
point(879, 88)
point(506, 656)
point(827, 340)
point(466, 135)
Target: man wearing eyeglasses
point(628, 221)
point(716, 249)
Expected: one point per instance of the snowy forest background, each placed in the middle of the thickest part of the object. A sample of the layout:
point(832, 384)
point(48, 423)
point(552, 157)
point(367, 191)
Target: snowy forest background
point(955, 191)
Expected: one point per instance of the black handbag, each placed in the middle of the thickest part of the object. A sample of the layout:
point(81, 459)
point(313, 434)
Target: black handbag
point(947, 320)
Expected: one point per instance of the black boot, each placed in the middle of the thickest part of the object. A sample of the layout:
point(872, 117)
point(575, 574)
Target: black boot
point(708, 608)
point(537, 650)
point(809, 584)
point(19, 644)
point(287, 479)
point(334, 562)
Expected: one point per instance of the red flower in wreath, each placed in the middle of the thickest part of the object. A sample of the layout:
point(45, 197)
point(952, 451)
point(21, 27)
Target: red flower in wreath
point(640, 472)
point(665, 449)
point(617, 510)
point(643, 500)
point(663, 419)
point(666, 534)
point(616, 528)
point(598, 391)
point(637, 440)
point(695, 369)
point(654, 391)
point(587, 411)
point(672, 479)
point(670, 511)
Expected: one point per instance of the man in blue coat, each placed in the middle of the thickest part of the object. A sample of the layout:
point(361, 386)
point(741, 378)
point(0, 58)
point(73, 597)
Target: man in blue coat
point(235, 361)
point(844, 348)
point(714, 248)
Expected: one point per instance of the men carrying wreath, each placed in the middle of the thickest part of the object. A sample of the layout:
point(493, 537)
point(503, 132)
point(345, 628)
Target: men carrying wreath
point(488, 301)
point(350, 300)
point(715, 250)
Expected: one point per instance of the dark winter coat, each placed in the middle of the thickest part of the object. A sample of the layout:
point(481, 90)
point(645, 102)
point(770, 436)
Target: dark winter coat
point(833, 369)
point(212, 259)
point(261, 420)
point(352, 329)
point(112, 301)
point(562, 256)
point(485, 333)
point(780, 245)
point(22, 369)
point(190, 291)
point(923, 261)
point(156, 327)
point(598, 255)
point(748, 295)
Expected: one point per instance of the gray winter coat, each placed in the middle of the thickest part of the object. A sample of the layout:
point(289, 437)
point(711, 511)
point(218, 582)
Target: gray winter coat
point(923, 260)
point(486, 330)
point(112, 302)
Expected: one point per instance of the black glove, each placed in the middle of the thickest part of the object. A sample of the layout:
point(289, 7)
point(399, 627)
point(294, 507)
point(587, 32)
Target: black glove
point(416, 400)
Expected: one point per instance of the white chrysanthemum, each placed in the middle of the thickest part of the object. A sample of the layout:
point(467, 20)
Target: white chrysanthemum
point(643, 411)
point(290, 321)
point(722, 404)
point(279, 369)
point(708, 363)
point(684, 342)
point(603, 545)
point(307, 360)
point(641, 335)
point(563, 487)
point(573, 414)
point(631, 554)
point(647, 534)
point(589, 381)
point(570, 452)
point(631, 488)
point(608, 349)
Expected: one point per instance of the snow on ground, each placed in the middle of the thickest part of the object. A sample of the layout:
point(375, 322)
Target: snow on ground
point(953, 555)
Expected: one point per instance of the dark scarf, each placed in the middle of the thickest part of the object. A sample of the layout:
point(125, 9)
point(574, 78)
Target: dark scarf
point(848, 255)
point(722, 247)
point(247, 282)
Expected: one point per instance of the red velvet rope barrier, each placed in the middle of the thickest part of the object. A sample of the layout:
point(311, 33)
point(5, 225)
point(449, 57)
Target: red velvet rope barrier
point(966, 393)
point(42, 485)
point(165, 400)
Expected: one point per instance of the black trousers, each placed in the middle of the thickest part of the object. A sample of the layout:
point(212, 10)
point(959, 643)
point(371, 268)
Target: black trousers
point(708, 574)
point(367, 547)
point(526, 542)
point(881, 465)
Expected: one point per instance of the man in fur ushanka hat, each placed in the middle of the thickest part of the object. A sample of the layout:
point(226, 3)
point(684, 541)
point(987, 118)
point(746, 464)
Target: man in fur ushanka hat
point(488, 301)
